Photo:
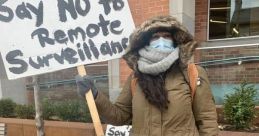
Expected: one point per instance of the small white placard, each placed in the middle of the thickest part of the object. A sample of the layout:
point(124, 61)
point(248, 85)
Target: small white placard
point(118, 130)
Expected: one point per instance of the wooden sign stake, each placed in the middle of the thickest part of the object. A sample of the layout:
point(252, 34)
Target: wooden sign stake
point(91, 104)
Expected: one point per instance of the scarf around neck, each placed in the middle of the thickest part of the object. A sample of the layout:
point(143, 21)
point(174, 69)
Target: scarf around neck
point(153, 61)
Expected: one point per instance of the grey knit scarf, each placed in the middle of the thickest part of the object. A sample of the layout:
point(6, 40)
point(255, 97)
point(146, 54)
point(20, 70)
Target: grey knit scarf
point(153, 61)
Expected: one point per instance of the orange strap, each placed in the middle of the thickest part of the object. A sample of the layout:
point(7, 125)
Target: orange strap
point(133, 86)
point(193, 77)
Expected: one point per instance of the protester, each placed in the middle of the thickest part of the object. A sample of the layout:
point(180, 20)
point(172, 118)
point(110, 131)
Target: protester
point(157, 97)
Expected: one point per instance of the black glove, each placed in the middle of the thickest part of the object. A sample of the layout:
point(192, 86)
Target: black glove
point(84, 84)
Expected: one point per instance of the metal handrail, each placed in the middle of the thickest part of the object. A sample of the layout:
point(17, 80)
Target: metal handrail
point(61, 82)
point(237, 60)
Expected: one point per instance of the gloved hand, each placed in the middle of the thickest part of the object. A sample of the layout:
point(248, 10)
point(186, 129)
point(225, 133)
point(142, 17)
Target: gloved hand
point(84, 84)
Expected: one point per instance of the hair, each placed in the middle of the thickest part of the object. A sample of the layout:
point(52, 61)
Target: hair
point(153, 88)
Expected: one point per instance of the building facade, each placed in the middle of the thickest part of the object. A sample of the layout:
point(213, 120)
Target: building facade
point(227, 31)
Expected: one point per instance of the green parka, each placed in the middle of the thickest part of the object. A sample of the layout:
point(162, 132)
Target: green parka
point(184, 116)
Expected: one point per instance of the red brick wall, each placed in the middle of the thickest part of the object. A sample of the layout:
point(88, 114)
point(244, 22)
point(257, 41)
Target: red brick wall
point(232, 73)
point(201, 18)
point(142, 10)
point(25, 127)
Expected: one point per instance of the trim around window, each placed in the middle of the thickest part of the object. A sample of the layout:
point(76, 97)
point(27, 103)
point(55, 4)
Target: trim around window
point(229, 39)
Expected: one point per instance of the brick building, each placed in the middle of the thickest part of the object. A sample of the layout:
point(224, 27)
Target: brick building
point(229, 47)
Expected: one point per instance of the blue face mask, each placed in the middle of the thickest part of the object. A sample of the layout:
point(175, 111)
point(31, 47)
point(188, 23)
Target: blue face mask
point(162, 44)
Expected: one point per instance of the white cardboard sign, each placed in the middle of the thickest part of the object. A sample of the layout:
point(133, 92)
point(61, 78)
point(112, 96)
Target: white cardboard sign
point(118, 130)
point(40, 36)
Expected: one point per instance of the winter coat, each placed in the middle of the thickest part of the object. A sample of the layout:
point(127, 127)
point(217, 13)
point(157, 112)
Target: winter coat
point(185, 116)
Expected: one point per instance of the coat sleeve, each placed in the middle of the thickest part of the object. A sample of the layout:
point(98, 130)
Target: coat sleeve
point(119, 113)
point(204, 108)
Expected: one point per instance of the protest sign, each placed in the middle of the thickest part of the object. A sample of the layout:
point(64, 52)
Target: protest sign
point(118, 130)
point(40, 36)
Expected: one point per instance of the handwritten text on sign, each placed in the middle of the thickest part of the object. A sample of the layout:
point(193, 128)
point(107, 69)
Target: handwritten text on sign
point(40, 36)
point(118, 130)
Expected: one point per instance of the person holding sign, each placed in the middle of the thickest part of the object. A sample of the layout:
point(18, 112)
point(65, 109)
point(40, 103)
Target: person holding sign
point(159, 97)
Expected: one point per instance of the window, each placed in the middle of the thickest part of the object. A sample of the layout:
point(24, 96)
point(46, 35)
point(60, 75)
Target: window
point(233, 18)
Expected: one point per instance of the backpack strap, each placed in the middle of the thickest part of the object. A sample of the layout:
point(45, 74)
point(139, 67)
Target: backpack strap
point(133, 85)
point(193, 78)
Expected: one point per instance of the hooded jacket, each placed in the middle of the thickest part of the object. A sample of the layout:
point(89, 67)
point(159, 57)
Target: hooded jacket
point(185, 116)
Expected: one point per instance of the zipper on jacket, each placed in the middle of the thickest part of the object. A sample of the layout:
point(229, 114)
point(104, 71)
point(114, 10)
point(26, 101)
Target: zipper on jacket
point(161, 121)
point(162, 76)
point(150, 120)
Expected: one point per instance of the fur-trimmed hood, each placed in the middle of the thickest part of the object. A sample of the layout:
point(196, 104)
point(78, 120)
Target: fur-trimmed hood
point(142, 34)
